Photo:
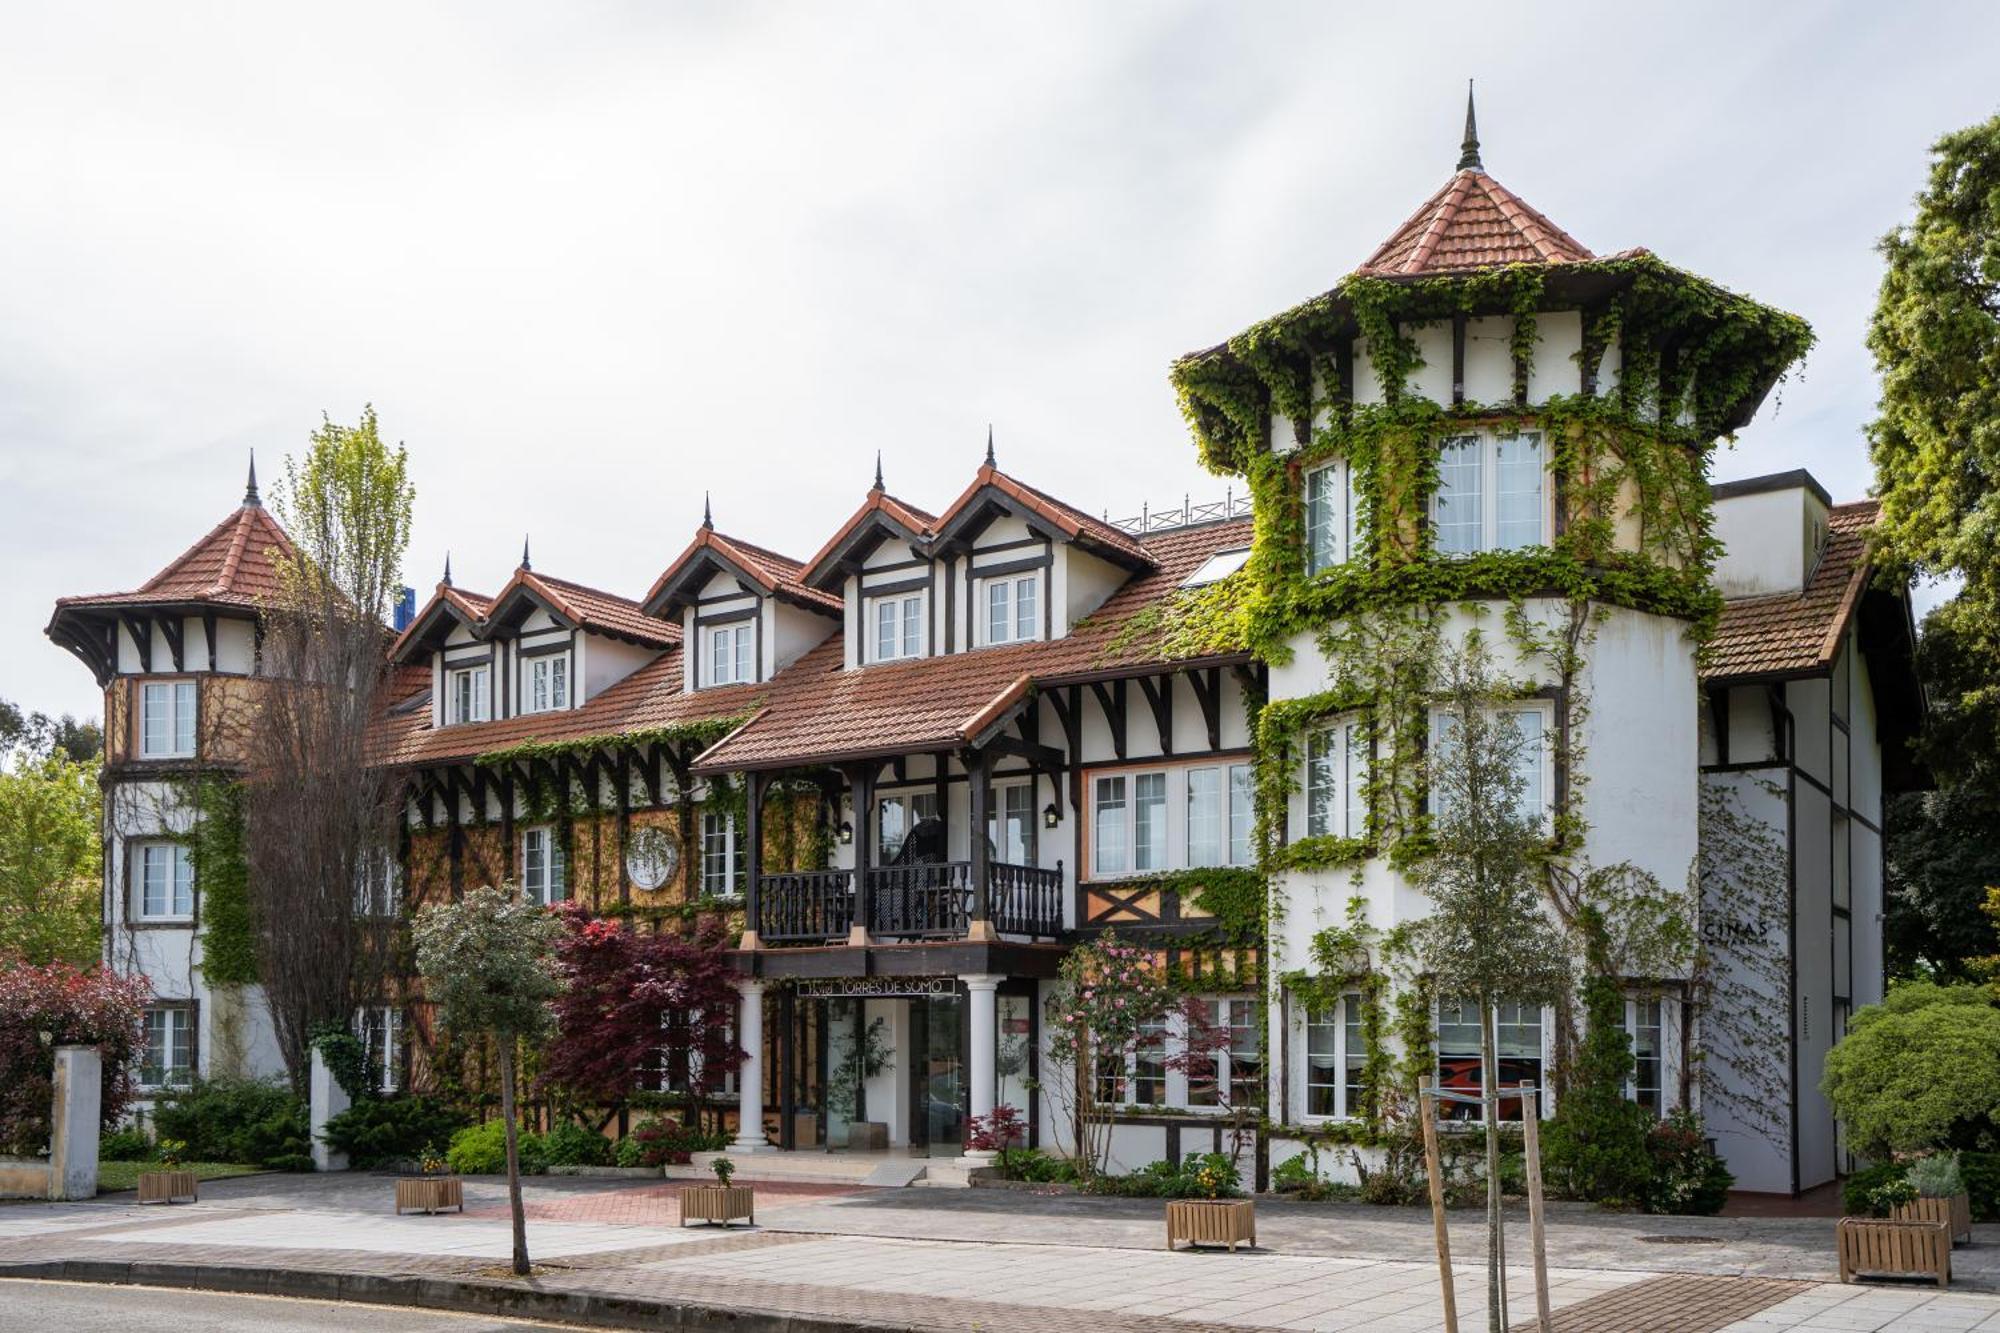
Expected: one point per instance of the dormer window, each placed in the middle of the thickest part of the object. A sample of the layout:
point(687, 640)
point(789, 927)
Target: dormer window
point(166, 720)
point(548, 683)
point(1491, 495)
point(1329, 517)
point(467, 695)
point(1013, 609)
point(898, 625)
point(726, 654)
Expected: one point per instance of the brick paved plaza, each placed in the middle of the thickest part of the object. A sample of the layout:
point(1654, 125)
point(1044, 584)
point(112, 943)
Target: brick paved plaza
point(992, 1260)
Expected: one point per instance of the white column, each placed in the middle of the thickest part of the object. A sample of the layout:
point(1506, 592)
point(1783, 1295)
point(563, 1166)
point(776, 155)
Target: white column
point(982, 1014)
point(750, 1076)
point(75, 1123)
point(325, 1100)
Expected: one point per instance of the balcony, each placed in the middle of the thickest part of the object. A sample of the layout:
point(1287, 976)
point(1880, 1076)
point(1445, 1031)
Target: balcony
point(908, 902)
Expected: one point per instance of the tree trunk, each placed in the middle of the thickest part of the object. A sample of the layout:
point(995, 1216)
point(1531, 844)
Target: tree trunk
point(521, 1267)
point(1496, 1258)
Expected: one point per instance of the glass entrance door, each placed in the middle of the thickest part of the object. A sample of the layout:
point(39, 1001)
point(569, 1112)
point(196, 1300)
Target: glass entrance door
point(938, 1089)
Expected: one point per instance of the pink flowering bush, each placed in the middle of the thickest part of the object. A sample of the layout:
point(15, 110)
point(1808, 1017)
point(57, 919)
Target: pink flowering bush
point(54, 1005)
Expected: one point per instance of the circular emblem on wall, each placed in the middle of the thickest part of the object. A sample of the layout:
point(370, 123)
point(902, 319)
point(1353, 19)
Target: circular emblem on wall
point(651, 857)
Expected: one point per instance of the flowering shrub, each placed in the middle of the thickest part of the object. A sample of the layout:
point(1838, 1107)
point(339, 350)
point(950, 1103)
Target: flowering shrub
point(1687, 1175)
point(999, 1129)
point(62, 1005)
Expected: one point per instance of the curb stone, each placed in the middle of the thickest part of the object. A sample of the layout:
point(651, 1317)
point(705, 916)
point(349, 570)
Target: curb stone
point(460, 1295)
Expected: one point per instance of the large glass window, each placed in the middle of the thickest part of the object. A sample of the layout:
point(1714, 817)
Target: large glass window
point(898, 627)
point(1337, 781)
point(1109, 854)
point(1014, 839)
point(1219, 815)
point(166, 719)
point(1149, 821)
point(1518, 1048)
point(1238, 1066)
point(379, 1028)
point(548, 683)
point(544, 874)
point(1171, 819)
point(1644, 1021)
point(1012, 609)
point(1527, 729)
point(726, 657)
point(1336, 1059)
point(898, 815)
point(166, 881)
point(721, 874)
point(466, 693)
point(168, 1061)
point(1329, 517)
point(1491, 494)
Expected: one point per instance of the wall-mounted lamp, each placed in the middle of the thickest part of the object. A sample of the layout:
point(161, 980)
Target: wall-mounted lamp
point(846, 833)
point(1050, 815)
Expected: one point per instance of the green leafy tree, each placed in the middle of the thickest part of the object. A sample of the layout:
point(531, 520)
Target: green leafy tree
point(1595, 1148)
point(1942, 859)
point(1489, 936)
point(50, 855)
point(1920, 1071)
point(487, 962)
point(42, 735)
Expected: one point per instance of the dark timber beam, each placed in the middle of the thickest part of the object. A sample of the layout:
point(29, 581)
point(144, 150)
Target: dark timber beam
point(1112, 701)
point(208, 633)
point(1041, 756)
point(1069, 712)
point(1159, 692)
point(1207, 686)
point(979, 772)
point(142, 640)
point(753, 855)
point(171, 629)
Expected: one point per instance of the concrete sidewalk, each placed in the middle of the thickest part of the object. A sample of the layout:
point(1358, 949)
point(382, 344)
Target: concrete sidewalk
point(833, 1258)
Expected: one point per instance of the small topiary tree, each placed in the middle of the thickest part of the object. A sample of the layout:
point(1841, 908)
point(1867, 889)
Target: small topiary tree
point(1595, 1148)
point(1918, 1072)
point(486, 962)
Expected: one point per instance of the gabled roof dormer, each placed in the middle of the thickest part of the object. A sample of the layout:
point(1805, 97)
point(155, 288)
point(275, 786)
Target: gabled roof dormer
point(744, 612)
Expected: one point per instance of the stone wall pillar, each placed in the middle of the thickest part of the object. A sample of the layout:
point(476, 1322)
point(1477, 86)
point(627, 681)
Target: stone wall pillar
point(76, 1122)
point(327, 1100)
point(982, 1017)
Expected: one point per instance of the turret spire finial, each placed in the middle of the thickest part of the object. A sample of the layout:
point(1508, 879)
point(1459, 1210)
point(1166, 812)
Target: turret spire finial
point(989, 445)
point(250, 491)
point(707, 514)
point(447, 569)
point(1468, 157)
point(524, 552)
point(878, 469)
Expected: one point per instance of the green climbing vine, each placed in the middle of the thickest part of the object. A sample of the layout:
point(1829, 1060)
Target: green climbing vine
point(216, 856)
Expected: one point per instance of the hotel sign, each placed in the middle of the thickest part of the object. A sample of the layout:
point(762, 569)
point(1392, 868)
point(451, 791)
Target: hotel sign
point(874, 988)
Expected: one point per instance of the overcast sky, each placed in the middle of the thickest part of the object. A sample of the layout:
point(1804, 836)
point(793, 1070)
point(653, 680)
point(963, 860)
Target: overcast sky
point(590, 260)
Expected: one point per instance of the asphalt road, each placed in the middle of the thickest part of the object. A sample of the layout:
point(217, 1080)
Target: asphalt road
point(44, 1307)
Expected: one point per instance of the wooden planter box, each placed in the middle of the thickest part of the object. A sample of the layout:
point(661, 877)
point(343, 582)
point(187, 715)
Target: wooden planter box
point(718, 1203)
point(429, 1194)
point(1888, 1246)
point(1955, 1212)
point(166, 1186)
point(1212, 1222)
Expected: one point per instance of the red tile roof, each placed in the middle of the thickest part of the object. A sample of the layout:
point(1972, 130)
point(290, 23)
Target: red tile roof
point(1474, 222)
point(879, 502)
point(469, 607)
point(594, 609)
point(1794, 634)
point(818, 711)
point(649, 698)
point(1068, 520)
point(236, 564)
point(778, 575)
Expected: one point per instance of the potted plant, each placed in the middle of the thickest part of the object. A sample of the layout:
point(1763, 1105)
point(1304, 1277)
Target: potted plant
point(1938, 1195)
point(433, 1189)
point(1208, 1211)
point(1889, 1243)
point(170, 1183)
point(721, 1202)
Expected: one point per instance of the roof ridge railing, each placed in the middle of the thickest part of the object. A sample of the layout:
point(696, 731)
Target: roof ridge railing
point(1149, 519)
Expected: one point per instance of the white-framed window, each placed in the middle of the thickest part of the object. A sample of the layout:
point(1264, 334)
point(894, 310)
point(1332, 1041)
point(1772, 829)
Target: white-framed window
point(897, 625)
point(1220, 814)
point(1010, 823)
point(721, 869)
point(1531, 725)
point(1145, 821)
point(548, 683)
point(727, 653)
point(896, 815)
point(378, 885)
point(1336, 1059)
point(1236, 1077)
point(1518, 1054)
point(168, 1061)
point(163, 882)
point(379, 1028)
point(1329, 516)
point(1013, 608)
point(166, 719)
point(468, 694)
point(1645, 1022)
point(544, 872)
point(1492, 494)
point(1336, 783)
